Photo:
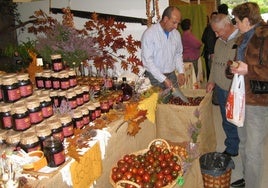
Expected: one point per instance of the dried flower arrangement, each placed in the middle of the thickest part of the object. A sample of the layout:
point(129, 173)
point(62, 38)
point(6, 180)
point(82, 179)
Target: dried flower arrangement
point(100, 41)
point(194, 128)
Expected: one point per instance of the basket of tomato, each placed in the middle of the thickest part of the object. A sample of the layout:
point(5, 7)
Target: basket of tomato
point(157, 166)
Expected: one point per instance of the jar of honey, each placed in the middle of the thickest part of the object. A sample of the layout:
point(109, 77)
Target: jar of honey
point(67, 125)
point(56, 128)
point(25, 85)
point(30, 142)
point(20, 117)
point(35, 111)
point(57, 63)
point(6, 116)
point(10, 88)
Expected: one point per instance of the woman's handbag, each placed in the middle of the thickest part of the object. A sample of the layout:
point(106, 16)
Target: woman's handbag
point(235, 104)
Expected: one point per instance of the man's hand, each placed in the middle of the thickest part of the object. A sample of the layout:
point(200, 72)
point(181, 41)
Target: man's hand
point(168, 83)
point(181, 79)
point(210, 86)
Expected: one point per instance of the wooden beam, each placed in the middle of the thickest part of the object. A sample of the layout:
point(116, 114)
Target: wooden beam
point(84, 14)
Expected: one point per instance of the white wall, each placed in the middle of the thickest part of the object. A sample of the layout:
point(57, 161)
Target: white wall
point(130, 8)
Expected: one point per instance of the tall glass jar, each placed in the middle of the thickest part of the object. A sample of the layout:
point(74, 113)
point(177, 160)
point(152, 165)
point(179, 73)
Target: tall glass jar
point(57, 63)
point(54, 152)
point(10, 88)
point(25, 85)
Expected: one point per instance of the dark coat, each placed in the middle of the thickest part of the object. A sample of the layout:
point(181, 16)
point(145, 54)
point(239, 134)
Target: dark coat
point(256, 71)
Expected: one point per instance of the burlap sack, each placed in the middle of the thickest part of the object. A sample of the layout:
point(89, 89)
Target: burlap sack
point(172, 121)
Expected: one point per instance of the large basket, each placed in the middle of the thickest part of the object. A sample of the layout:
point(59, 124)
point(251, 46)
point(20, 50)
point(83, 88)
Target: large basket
point(222, 181)
point(160, 143)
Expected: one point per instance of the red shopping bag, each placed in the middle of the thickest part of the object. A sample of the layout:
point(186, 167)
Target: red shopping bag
point(235, 104)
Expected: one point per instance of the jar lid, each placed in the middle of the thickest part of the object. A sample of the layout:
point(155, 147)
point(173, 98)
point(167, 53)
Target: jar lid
point(44, 98)
point(62, 93)
point(55, 56)
point(28, 138)
point(5, 107)
point(55, 74)
point(70, 94)
point(53, 123)
point(13, 137)
point(78, 90)
point(63, 74)
point(91, 107)
point(38, 74)
point(33, 103)
point(46, 92)
point(84, 110)
point(47, 74)
point(77, 114)
point(42, 130)
point(96, 104)
point(85, 88)
point(71, 73)
point(53, 93)
point(65, 118)
point(19, 108)
point(9, 79)
point(23, 76)
point(3, 134)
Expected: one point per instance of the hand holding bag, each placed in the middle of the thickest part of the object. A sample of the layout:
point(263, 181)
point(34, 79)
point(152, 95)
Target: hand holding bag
point(235, 104)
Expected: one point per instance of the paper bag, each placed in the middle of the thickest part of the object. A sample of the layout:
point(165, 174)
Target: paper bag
point(235, 104)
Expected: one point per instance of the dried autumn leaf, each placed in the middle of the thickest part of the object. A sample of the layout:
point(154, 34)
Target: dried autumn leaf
point(133, 128)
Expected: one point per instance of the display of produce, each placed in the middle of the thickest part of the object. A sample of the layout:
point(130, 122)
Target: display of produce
point(157, 166)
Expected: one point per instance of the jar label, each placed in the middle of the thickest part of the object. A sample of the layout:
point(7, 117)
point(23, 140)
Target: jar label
point(72, 104)
point(65, 84)
point(57, 66)
point(73, 82)
point(56, 84)
point(48, 84)
point(86, 97)
point(59, 158)
point(79, 123)
point(40, 84)
point(68, 131)
point(86, 119)
point(47, 111)
point(1, 96)
point(26, 90)
point(97, 113)
point(36, 117)
point(7, 122)
point(13, 94)
point(80, 101)
point(23, 123)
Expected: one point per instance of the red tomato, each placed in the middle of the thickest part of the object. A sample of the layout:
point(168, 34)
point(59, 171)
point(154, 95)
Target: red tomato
point(141, 171)
point(146, 177)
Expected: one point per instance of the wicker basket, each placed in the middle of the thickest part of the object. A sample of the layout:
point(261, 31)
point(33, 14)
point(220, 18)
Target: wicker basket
point(222, 181)
point(158, 142)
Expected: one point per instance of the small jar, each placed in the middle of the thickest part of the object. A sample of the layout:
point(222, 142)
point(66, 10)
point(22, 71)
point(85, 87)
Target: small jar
point(86, 96)
point(35, 111)
point(71, 98)
point(39, 80)
point(108, 83)
point(79, 96)
point(21, 117)
point(25, 85)
point(30, 142)
point(43, 131)
point(56, 128)
point(13, 139)
point(54, 152)
point(78, 119)
point(67, 125)
point(57, 63)
point(97, 89)
point(55, 80)
point(46, 105)
point(62, 96)
point(54, 98)
point(3, 136)
point(98, 109)
point(85, 113)
point(47, 79)
point(72, 78)
point(6, 116)
point(104, 105)
point(92, 114)
point(64, 80)
point(10, 88)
